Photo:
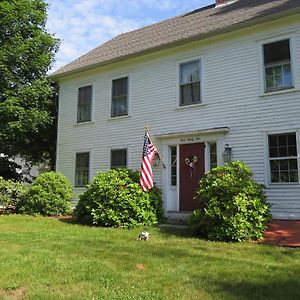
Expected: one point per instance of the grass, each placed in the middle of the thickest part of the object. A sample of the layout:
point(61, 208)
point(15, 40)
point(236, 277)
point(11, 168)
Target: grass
point(42, 258)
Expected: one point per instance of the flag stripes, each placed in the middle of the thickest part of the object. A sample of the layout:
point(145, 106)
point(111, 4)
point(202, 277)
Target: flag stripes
point(146, 177)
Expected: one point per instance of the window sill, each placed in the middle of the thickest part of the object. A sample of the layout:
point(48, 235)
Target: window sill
point(119, 118)
point(280, 184)
point(190, 106)
point(83, 123)
point(291, 90)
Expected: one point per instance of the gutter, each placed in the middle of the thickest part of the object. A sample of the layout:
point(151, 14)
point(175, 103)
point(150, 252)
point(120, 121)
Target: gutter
point(202, 36)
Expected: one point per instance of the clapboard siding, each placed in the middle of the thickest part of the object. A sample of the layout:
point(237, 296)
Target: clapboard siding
point(232, 98)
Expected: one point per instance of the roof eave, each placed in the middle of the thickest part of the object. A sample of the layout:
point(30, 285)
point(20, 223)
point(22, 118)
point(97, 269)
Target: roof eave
point(180, 42)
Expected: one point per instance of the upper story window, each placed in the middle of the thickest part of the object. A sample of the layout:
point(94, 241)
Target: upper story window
point(277, 64)
point(118, 158)
point(283, 157)
point(84, 108)
point(190, 83)
point(119, 102)
point(82, 169)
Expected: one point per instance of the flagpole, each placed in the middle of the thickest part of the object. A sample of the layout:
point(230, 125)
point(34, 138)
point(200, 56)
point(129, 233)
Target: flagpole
point(152, 141)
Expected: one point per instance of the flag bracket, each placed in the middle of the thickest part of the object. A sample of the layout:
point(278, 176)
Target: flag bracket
point(152, 142)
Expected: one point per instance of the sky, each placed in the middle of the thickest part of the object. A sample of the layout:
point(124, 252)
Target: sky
point(82, 25)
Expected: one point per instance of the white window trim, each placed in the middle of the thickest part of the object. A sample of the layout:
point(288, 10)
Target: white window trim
point(120, 148)
point(291, 37)
point(90, 167)
point(201, 73)
point(267, 158)
point(81, 85)
point(120, 76)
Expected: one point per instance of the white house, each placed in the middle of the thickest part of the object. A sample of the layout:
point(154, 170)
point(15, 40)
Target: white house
point(227, 73)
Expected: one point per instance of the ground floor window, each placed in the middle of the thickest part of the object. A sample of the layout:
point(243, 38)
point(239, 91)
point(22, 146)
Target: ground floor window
point(212, 155)
point(118, 158)
point(283, 157)
point(82, 169)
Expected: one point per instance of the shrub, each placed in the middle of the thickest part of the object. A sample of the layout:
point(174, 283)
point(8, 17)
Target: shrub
point(232, 205)
point(115, 199)
point(50, 195)
point(11, 193)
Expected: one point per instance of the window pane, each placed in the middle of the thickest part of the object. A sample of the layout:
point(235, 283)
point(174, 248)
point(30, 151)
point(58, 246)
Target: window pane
point(118, 158)
point(275, 177)
point(277, 51)
point(120, 87)
point(213, 155)
point(274, 165)
point(84, 104)
point(190, 93)
point(293, 165)
point(174, 166)
point(189, 72)
point(119, 106)
point(82, 169)
point(291, 139)
point(294, 176)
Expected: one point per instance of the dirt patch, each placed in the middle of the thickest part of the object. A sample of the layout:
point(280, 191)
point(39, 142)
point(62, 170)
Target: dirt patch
point(15, 294)
point(140, 266)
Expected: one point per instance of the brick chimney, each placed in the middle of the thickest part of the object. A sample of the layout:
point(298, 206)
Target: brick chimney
point(223, 2)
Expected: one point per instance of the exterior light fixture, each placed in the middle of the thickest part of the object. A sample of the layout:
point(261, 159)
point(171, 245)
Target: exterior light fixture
point(227, 154)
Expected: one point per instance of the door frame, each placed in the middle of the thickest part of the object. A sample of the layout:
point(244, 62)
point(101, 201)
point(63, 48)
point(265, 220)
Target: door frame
point(171, 193)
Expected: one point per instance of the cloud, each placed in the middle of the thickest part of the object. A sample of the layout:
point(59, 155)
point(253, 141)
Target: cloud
point(85, 24)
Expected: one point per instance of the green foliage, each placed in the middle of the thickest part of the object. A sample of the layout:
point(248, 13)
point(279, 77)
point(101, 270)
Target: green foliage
point(115, 199)
point(11, 193)
point(50, 195)
point(232, 205)
point(27, 106)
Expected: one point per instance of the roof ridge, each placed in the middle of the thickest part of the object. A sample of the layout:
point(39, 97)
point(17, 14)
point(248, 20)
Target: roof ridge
point(196, 24)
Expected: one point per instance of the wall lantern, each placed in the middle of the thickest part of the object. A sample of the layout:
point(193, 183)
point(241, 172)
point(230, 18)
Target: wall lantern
point(227, 154)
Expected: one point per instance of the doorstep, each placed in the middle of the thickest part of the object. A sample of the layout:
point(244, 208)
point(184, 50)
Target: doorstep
point(178, 218)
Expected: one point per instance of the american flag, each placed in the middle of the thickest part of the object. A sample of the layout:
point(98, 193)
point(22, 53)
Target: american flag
point(146, 177)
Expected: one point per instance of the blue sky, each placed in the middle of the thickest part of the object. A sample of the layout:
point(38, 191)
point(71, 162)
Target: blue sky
point(85, 24)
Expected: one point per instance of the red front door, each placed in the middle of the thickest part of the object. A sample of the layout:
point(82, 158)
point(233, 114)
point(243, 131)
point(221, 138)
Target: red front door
point(190, 173)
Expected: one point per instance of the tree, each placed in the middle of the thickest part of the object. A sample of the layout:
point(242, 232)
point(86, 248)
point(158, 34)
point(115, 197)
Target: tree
point(27, 96)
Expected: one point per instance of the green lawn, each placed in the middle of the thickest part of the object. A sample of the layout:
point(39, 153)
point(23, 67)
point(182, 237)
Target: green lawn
point(43, 258)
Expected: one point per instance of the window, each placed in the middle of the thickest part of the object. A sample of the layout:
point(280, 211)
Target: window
point(212, 155)
point(283, 157)
point(190, 83)
point(119, 104)
point(118, 158)
point(84, 109)
point(277, 64)
point(82, 169)
point(173, 150)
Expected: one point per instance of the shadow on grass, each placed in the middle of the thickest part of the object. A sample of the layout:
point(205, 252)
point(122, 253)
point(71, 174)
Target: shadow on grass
point(181, 232)
point(280, 287)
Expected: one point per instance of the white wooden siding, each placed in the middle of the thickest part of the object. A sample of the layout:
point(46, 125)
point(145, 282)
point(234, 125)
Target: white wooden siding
point(232, 95)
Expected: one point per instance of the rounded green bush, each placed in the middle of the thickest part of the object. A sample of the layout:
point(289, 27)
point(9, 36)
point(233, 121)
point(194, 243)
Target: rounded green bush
point(50, 195)
point(233, 206)
point(115, 199)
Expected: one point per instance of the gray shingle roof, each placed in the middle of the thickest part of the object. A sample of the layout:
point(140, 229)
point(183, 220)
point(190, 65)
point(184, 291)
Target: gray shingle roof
point(193, 25)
